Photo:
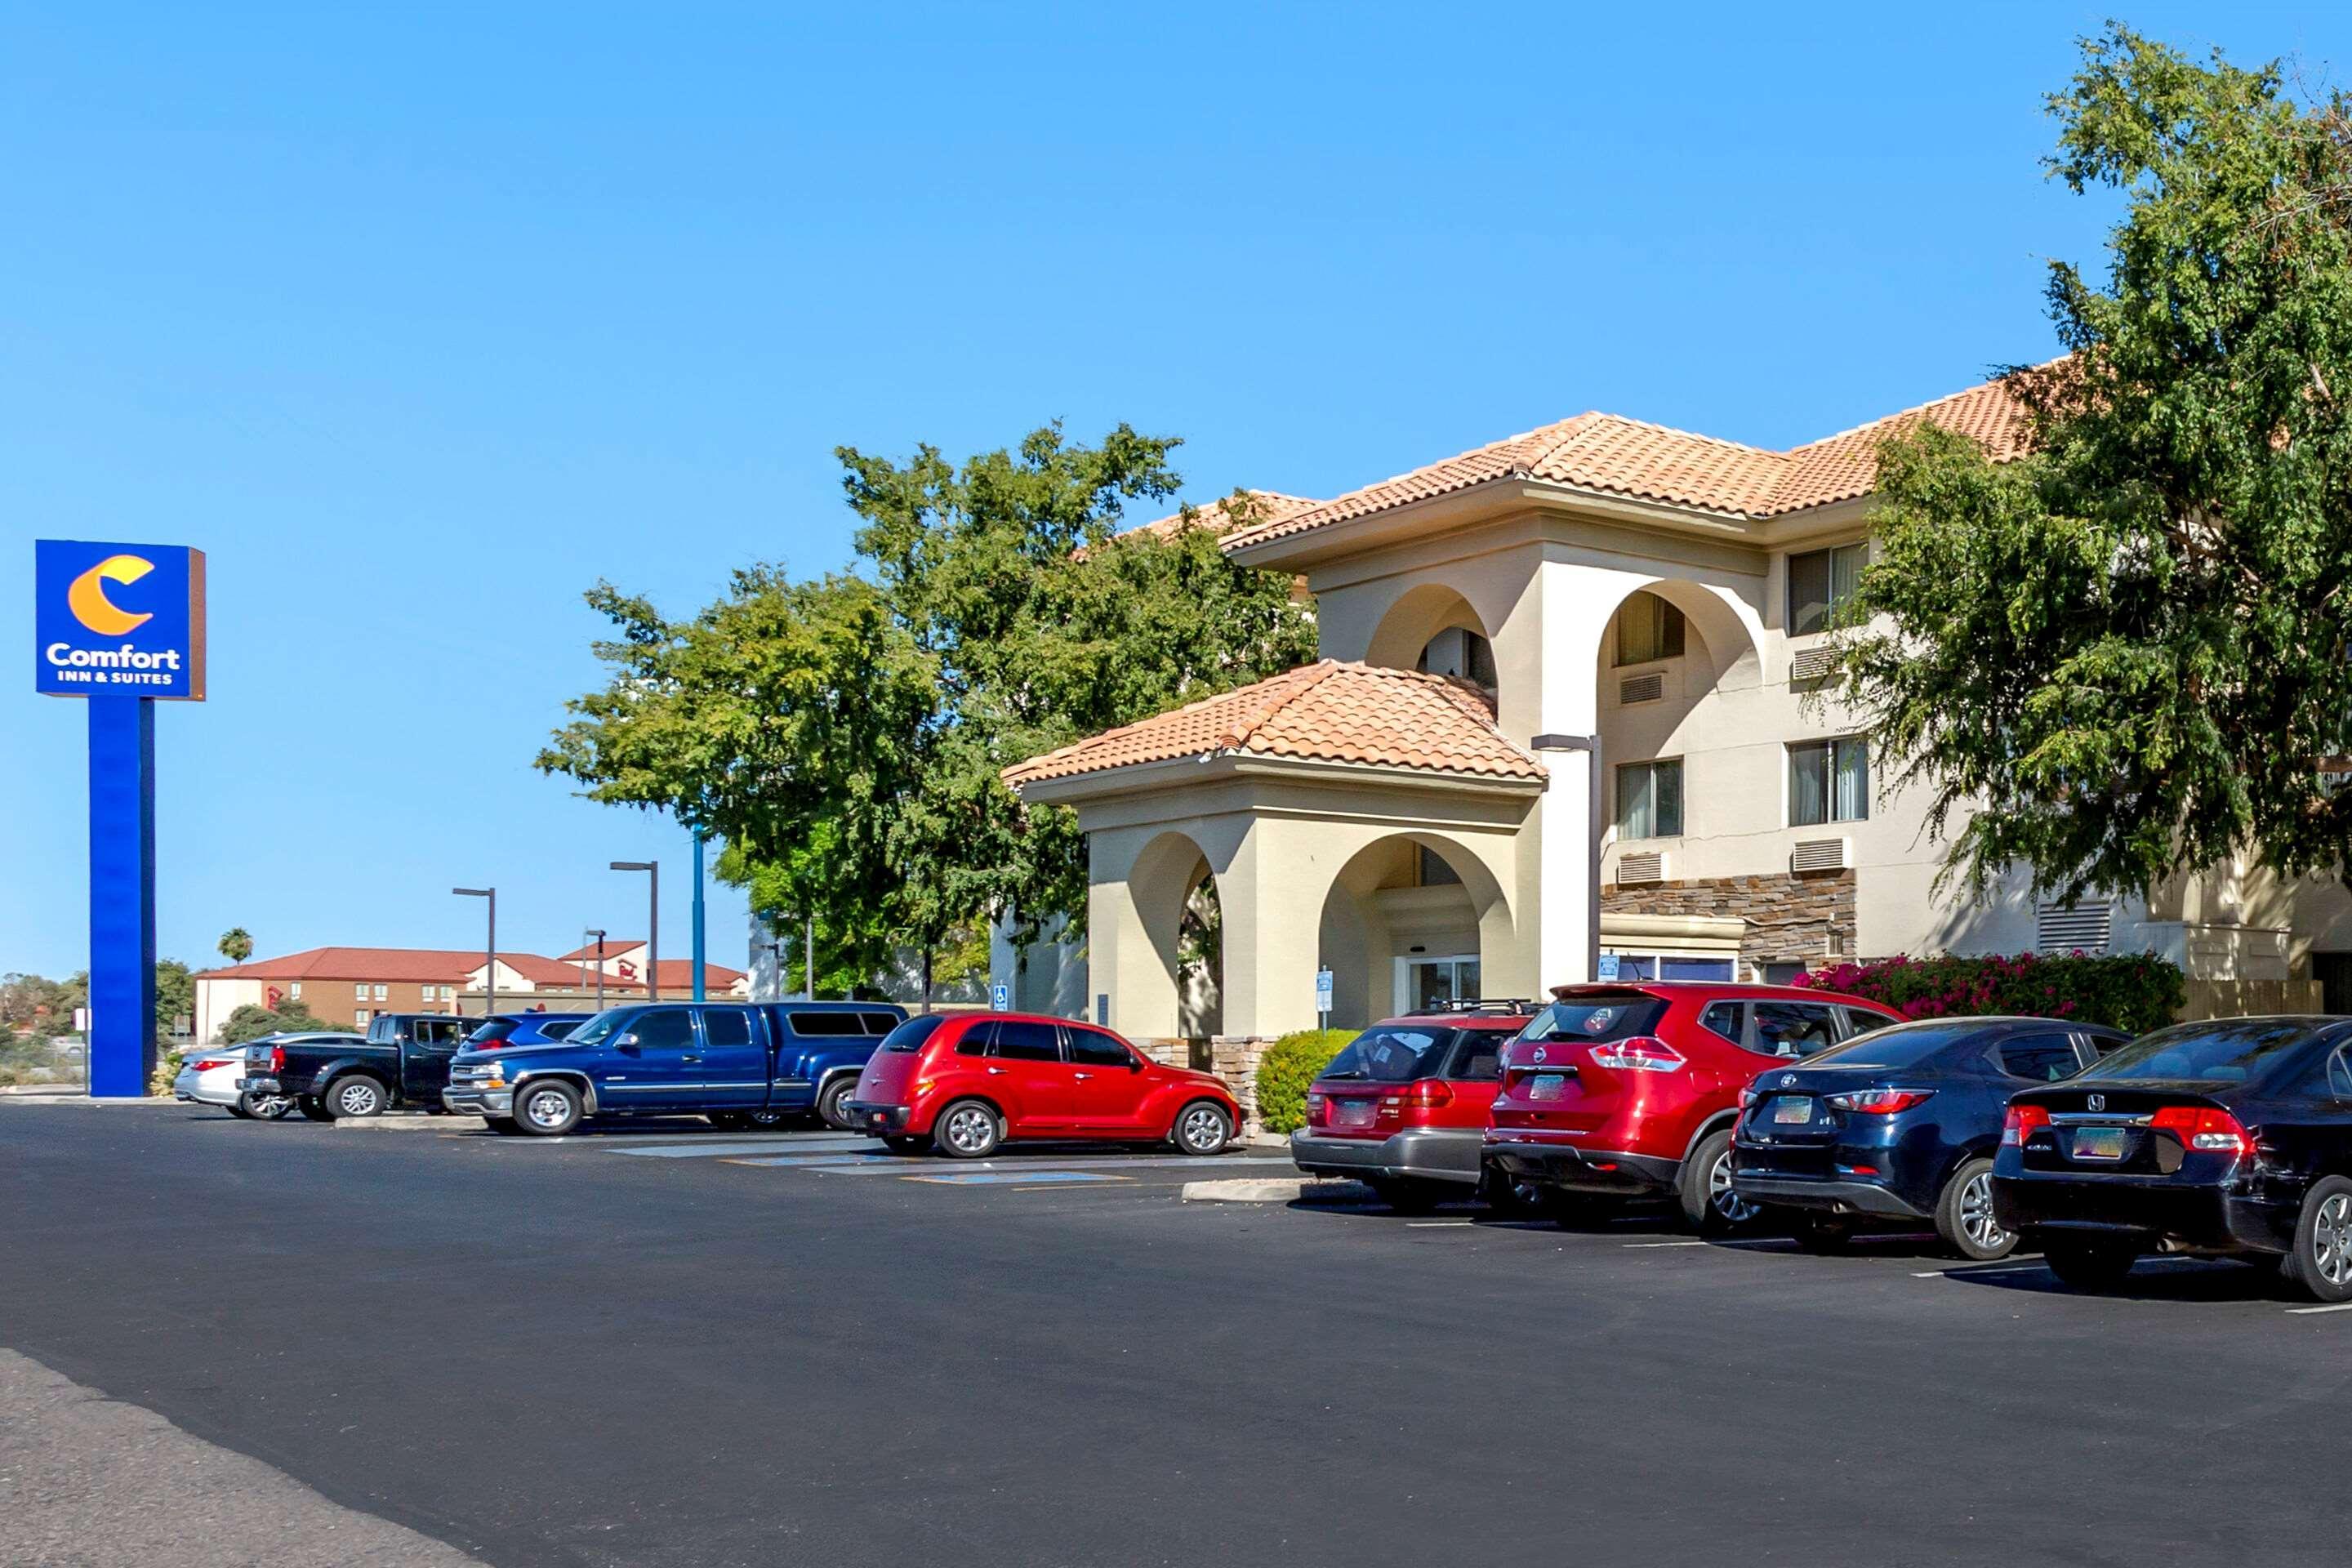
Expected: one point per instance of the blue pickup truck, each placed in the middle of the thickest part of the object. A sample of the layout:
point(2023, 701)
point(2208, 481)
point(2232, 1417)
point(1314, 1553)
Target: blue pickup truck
point(741, 1063)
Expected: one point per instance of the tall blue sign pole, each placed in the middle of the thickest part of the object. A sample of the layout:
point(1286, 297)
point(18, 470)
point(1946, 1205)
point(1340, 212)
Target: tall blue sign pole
point(698, 916)
point(122, 626)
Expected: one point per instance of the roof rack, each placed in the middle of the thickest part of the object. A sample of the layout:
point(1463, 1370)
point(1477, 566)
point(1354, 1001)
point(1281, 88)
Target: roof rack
point(1484, 1004)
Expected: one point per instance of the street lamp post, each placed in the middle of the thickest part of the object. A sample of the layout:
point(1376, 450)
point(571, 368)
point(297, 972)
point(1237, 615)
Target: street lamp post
point(599, 965)
point(775, 951)
point(652, 921)
point(489, 971)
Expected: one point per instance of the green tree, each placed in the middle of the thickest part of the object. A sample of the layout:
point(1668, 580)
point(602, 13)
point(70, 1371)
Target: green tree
point(2129, 652)
point(252, 1021)
point(175, 996)
point(236, 944)
point(844, 736)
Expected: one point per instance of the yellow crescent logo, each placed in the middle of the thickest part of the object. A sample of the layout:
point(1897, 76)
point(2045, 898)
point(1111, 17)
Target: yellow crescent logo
point(87, 598)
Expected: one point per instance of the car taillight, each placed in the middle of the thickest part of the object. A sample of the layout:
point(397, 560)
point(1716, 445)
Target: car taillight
point(1880, 1101)
point(1642, 1053)
point(2022, 1123)
point(2203, 1127)
point(1427, 1094)
point(211, 1062)
point(1318, 1109)
point(1748, 1097)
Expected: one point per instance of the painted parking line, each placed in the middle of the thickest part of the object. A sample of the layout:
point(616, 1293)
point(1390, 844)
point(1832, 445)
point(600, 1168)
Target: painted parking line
point(1016, 1178)
point(843, 1161)
point(1646, 1245)
point(2315, 1311)
point(714, 1150)
point(1439, 1224)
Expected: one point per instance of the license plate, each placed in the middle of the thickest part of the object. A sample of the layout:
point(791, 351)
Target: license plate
point(1546, 1086)
point(1352, 1113)
point(1789, 1111)
point(2098, 1144)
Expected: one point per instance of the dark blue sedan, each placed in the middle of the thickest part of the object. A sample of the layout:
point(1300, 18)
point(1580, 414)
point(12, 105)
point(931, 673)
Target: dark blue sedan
point(1900, 1126)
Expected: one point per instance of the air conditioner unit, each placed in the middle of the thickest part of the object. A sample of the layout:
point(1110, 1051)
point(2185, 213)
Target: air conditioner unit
point(2069, 927)
point(1642, 687)
point(1633, 868)
point(1809, 667)
point(1818, 854)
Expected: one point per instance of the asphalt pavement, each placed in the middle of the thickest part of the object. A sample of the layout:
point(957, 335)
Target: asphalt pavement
point(716, 1348)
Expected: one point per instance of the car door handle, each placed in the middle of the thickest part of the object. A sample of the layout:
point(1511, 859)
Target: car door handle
point(687, 1058)
point(1082, 1077)
point(996, 1072)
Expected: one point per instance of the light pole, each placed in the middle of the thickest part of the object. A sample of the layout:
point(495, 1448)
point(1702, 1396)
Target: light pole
point(652, 921)
point(599, 965)
point(776, 956)
point(489, 971)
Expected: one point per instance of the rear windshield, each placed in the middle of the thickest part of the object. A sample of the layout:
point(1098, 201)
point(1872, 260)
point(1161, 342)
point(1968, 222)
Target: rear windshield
point(1393, 1053)
point(1596, 1018)
point(911, 1035)
point(2226, 1050)
point(1900, 1047)
point(559, 1030)
point(492, 1029)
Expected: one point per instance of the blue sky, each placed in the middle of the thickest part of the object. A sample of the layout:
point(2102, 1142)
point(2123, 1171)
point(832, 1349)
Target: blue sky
point(419, 320)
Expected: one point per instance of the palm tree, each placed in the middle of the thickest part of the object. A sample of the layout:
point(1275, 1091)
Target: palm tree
point(236, 944)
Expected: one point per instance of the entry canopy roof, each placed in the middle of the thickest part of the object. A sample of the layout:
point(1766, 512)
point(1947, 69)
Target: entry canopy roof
point(1325, 712)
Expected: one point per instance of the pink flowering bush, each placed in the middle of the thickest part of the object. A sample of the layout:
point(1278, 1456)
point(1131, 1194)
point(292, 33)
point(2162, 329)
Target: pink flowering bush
point(2134, 991)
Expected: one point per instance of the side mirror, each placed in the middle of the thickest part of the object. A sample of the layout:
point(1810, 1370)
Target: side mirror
point(627, 1041)
point(1134, 1063)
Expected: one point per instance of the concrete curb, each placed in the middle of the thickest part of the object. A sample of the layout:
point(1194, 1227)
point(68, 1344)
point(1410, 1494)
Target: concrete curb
point(412, 1122)
point(75, 1096)
point(1277, 1190)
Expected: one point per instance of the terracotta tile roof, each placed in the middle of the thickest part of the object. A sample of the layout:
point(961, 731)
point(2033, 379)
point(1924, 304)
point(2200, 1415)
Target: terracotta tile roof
point(1617, 456)
point(1328, 711)
point(614, 947)
point(439, 966)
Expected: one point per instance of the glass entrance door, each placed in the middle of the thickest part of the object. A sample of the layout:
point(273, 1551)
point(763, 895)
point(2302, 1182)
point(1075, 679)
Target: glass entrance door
point(1423, 984)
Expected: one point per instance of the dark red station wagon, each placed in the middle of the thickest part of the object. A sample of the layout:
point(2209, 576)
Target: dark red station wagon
point(965, 1083)
point(1403, 1109)
point(1630, 1090)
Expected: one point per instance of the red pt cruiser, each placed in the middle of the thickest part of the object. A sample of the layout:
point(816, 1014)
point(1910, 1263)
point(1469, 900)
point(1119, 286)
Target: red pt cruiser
point(964, 1083)
point(1631, 1091)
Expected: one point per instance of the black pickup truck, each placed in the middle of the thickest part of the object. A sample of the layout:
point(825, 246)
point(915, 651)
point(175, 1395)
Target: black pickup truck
point(404, 1060)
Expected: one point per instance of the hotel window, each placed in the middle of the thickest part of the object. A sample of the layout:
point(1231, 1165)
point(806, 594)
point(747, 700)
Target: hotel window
point(1433, 870)
point(1650, 799)
point(297, 992)
point(1829, 781)
point(359, 992)
point(1461, 652)
point(1820, 582)
point(362, 1015)
point(1648, 628)
point(382, 992)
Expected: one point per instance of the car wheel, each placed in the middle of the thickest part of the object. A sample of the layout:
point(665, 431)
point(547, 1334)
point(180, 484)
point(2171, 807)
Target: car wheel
point(311, 1110)
point(1964, 1215)
point(1407, 1196)
point(2321, 1264)
point(969, 1129)
point(1821, 1233)
point(1503, 1196)
point(830, 1100)
point(357, 1096)
point(236, 1108)
point(547, 1110)
point(2089, 1265)
point(899, 1143)
point(1202, 1128)
point(502, 1124)
point(262, 1107)
point(1711, 1204)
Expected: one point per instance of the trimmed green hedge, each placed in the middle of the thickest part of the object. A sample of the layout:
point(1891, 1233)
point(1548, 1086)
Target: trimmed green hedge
point(2134, 991)
point(1290, 1065)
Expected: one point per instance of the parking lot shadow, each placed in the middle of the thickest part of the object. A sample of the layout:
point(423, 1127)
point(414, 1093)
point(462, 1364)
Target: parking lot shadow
point(2215, 1279)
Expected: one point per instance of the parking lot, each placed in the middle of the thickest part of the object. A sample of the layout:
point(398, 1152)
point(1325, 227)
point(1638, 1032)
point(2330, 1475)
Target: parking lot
point(657, 1347)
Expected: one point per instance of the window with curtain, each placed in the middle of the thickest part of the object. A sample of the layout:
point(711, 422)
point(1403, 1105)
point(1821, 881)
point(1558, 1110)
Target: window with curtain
point(1829, 781)
point(1648, 628)
point(1820, 582)
point(1650, 799)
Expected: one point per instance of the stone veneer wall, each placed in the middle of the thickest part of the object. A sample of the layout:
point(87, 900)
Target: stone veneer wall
point(1792, 918)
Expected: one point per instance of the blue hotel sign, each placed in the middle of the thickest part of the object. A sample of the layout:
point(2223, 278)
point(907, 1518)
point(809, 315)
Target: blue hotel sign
point(122, 626)
point(118, 620)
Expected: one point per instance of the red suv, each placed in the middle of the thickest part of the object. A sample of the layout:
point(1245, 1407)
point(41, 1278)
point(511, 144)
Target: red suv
point(965, 1083)
point(1630, 1090)
point(1404, 1108)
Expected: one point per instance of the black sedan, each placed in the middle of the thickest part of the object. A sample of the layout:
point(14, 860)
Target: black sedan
point(2230, 1138)
point(1899, 1126)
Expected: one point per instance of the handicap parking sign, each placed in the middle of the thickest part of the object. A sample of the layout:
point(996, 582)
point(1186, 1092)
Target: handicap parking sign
point(999, 998)
point(1608, 968)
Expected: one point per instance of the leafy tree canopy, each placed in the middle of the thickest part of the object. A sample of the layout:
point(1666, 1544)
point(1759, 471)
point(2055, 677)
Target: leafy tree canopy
point(252, 1021)
point(2129, 652)
point(845, 735)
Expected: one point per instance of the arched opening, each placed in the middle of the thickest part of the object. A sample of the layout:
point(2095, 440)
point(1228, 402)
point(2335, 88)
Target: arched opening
point(1679, 783)
point(1175, 893)
point(1432, 627)
point(1411, 921)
